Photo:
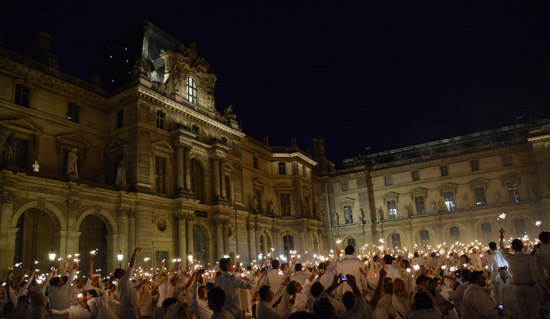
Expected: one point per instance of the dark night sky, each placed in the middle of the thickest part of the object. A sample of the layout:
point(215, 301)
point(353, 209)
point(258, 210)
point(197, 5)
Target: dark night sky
point(384, 74)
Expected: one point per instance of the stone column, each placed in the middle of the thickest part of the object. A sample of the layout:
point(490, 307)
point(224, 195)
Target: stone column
point(257, 229)
point(122, 236)
point(219, 238)
point(188, 169)
point(131, 231)
point(182, 233)
point(190, 251)
point(112, 261)
point(179, 168)
point(61, 237)
point(216, 177)
point(222, 178)
point(6, 211)
point(251, 243)
point(225, 228)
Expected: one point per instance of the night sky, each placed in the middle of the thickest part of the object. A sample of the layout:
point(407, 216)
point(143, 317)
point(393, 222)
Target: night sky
point(379, 74)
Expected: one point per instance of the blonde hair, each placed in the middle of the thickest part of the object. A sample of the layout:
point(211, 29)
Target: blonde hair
point(396, 284)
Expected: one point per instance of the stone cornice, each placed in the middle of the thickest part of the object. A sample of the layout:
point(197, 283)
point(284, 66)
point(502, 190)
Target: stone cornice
point(293, 155)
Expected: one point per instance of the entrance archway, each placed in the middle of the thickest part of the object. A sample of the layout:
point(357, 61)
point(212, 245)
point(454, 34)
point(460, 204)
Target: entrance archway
point(199, 245)
point(35, 238)
point(93, 236)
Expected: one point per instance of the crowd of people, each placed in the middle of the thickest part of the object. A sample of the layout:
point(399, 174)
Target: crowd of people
point(496, 282)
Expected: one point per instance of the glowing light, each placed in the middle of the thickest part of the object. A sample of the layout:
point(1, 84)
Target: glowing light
point(501, 216)
point(338, 240)
point(538, 223)
point(146, 259)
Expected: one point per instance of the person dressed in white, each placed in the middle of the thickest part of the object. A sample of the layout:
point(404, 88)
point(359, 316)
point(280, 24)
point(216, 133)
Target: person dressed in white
point(525, 275)
point(382, 311)
point(400, 298)
point(275, 275)
point(99, 306)
point(503, 283)
point(393, 272)
point(299, 275)
point(126, 290)
point(59, 290)
point(200, 305)
point(230, 283)
point(423, 307)
point(216, 302)
point(477, 304)
point(79, 311)
point(542, 256)
point(265, 308)
point(349, 264)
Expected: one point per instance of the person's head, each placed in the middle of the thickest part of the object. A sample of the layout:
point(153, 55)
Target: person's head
point(422, 301)
point(275, 264)
point(323, 308)
point(284, 267)
point(174, 279)
point(56, 282)
point(316, 289)
point(322, 266)
point(517, 245)
point(293, 288)
point(201, 292)
point(388, 259)
point(349, 250)
point(493, 245)
point(388, 286)
point(422, 280)
point(399, 285)
point(544, 237)
point(92, 293)
point(168, 302)
point(298, 267)
point(465, 274)
point(216, 298)
point(503, 271)
point(266, 294)
point(416, 254)
point(477, 277)
point(348, 299)
point(376, 259)
point(433, 254)
point(226, 264)
point(464, 259)
point(119, 272)
point(404, 263)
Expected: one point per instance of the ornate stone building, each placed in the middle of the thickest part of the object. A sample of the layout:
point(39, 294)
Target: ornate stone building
point(446, 191)
point(140, 156)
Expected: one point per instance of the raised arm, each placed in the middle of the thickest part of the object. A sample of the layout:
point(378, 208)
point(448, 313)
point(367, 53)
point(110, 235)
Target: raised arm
point(133, 260)
point(378, 292)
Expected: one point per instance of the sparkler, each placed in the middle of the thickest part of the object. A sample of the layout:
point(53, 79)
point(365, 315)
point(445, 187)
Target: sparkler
point(538, 223)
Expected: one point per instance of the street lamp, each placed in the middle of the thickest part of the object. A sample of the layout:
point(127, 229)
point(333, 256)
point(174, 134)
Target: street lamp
point(119, 256)
point(51, 257)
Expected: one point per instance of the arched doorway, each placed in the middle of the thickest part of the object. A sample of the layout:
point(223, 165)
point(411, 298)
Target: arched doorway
point(199, 245)
point(197, 177)
point(35, 238)
point(93, 237)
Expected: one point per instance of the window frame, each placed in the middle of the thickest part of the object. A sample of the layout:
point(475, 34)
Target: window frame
point(73, 112)
point(415, 175)
point(444, 169)
point(388, 180)
point(348, 214)
point(345, 186)
point(474, 165)
point(22, 95)
point(452, 206)
point(507, 160)
point(392, 211)
point(513, 193)
point(160, 179)
point(282, 168)
point(161, 119)
point(417, 205)
point(478, 194)
point(192, 90)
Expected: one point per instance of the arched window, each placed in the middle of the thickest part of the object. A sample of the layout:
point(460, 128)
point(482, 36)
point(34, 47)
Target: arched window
point(351, 242)
point(263, 243)
point(191, 90)
point(288, 244)
point(396, 241)
point(199, 245)
point(455, 234)
point(486, 233)
point(197, 177)
point(521, 229)
point(424, 237)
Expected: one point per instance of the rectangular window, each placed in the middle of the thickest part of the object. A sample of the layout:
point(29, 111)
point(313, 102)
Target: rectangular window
point(227, 185)
point(396, 241)
point(389, 180)
point(282, 168)
point(119, 119)
point(285, 204)
point(288, 244)
point(160, 120)
point(444, 170)
point(191, 90)
point(420, 206)
point(345, 186)
point(160, 174)
point(507, 160)
point(480, 196)
point(72, 113)
point(392, 209)
point(416, 176)
point(449, 201)
point(348, 214)
point(474, 165)
point(513, 192)
point(21, 95)
point(424, 237)
point(304, 171)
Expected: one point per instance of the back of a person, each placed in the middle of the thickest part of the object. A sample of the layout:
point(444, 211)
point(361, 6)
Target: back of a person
point(382, 310)
point(424, 314)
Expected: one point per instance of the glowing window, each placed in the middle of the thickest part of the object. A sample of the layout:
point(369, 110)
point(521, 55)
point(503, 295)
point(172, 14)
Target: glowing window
point(191, 90)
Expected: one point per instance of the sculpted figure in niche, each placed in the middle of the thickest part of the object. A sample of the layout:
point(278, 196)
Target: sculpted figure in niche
point(306, 206)
point(336, 219)
point(497, 197)
point(120, 175)
point(10, 149)
point(256, 202)
point(465, 202)
point(228, 113)
point(410, 209)
point(72, 162)
point(434, 207)
point(380, 214)
point(271, 207)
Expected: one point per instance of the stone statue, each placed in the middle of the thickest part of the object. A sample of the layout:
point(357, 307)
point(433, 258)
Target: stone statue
point(362, 216)
point(293, 142)
point(337, 218)
point(256, 202)
point(271, 207)
point(532, 195)
point(72, 164)
point(465, 202)
point(35, 167)
point(497, 197)
point(434, 207)
point(306, 206)
point(380, 214)
point(228, 113)
point(410, 209)
point(120, 175)
point(10, 149)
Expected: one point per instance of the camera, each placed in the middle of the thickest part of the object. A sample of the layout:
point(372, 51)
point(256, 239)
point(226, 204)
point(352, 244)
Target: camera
point(500, 307)
point(344, 278)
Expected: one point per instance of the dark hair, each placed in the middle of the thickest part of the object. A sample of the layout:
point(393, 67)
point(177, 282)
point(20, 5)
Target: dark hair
point(92, 292)
point(349, 250)
point(375, 258)
point(209, 285)
point(388, 259)
point(298, 267)
point(264, 290)
point(422, 301)
point(224, 262)
point(466, 274)
point(302, 315)
point(54, 281)
point(433, 254)
point(474, 276)
point(416, 254)
point(168, 302)
point(216, 296)
point(544, 237)
point(275, 264)
point(322, 265)
point(291, 288)
point(316, 289)
point(348, 299)
point(492, 245)
point(323, 308)
point(467, 259)
point(517, 244)
point(422, 278)
point(406, 262)
point(119, 272)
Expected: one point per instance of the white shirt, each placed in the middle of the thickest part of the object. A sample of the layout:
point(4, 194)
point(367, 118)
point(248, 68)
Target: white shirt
point(99, 309)
point(74, 312)
point(126, 292)
point(162, 292)
point(199, 306)
point(424, 314)
point(400, 304)
point(300, 277)
point(229, 283)
point(391, 271)
point(222, 315)
point(383, 308)
point(59, 296)
point(495, 260)
point(523, 267)
point(542, 257)
point(477, 304)
point(275, 277)
point(349, 265)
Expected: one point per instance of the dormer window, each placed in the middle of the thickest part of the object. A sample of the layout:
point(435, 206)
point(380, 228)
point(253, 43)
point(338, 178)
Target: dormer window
point(191, 90)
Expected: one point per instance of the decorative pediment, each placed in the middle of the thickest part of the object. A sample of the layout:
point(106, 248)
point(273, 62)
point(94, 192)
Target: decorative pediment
point(73, 141)
point(391, 196)
point(509, 177)
point(116, 147)
point(447, 187)
point(347, 201)
point(257, 183)
point(20, 125)
point(283, 187)
point(478, 182)
point(162, 146)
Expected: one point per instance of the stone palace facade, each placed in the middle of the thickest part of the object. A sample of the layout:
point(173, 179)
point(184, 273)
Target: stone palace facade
point(140, 156)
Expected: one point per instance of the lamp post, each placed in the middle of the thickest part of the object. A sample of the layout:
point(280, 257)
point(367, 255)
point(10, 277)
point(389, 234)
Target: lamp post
point(51, 257)
point(119, 256)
